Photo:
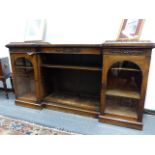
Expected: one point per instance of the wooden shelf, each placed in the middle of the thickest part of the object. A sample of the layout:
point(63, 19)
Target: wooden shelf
point(126, 69)
point(72, 67)
point(24, 67)
point(89, 103)
point(123, 93)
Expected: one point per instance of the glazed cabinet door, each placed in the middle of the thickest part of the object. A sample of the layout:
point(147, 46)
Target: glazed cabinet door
point(25, 76)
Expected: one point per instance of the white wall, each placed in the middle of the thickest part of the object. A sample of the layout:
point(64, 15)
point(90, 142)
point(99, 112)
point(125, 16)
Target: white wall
point(78, 21)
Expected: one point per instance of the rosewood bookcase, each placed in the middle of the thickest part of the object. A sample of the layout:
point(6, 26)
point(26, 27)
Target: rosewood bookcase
point(106, 81)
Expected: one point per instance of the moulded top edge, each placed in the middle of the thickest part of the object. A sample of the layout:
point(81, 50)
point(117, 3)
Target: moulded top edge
point(129, 44)
point(107, 44)
point(46, 44)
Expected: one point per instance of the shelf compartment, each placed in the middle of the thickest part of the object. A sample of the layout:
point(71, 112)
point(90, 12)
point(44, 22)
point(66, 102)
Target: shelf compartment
point(123, 93)
point(74, 60)
point(72, 67)
point(120, 110)
point(120, 107)
point(73, 100)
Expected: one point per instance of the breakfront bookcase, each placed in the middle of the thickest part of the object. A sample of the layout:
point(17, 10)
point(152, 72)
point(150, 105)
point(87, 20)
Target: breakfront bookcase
point(107, 81)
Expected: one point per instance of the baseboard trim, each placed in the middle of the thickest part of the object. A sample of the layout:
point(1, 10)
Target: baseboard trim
point(8, 89)
point(148, 111)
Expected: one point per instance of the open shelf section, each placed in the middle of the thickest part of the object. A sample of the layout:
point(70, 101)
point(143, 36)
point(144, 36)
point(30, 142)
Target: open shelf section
point(123, 93)
point(72, 61)
point(121, 110)
point(72, 67)
point(83, 102)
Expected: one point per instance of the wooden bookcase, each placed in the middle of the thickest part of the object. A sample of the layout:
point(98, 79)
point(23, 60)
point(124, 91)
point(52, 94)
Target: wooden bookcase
point(106, 81)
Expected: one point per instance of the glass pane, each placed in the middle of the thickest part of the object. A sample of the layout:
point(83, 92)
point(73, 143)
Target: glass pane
point(23, 62)
point(24, 78)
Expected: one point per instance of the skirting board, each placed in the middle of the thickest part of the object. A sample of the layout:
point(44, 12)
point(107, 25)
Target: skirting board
point(150, 112)
point(8, 89)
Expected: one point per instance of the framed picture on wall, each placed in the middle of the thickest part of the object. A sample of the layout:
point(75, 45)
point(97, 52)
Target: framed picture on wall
point(35, 30)
point(130, 29)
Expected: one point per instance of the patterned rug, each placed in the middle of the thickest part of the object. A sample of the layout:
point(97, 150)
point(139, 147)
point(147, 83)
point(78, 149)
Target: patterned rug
point(9, 126)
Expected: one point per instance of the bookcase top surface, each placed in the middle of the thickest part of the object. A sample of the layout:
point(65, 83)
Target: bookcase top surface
point(106, 44)
point(128, 44)
point(46, 44)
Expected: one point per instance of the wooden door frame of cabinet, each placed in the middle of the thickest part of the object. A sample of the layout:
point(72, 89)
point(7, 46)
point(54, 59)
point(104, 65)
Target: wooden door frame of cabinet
point(141, 60)
point(33, 59)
